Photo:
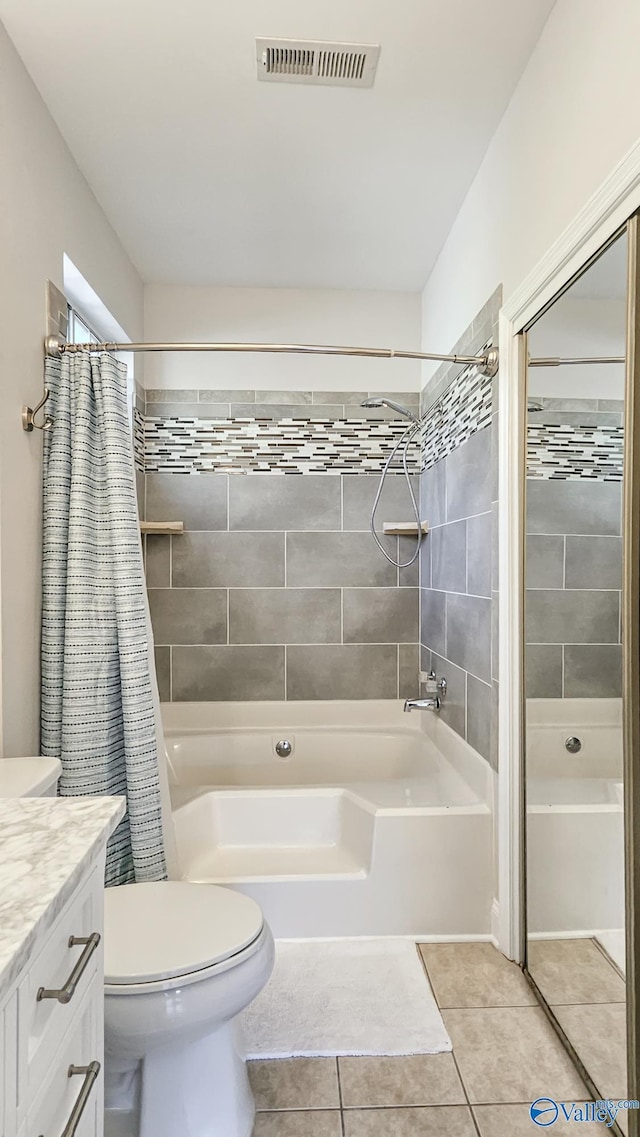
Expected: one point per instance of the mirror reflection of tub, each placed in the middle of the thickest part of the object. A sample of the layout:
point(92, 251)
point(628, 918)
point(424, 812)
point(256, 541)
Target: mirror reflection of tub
point(575, 837)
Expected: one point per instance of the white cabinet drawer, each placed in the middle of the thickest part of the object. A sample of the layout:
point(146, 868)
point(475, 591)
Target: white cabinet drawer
point(43, 1021)
point(63, 1092)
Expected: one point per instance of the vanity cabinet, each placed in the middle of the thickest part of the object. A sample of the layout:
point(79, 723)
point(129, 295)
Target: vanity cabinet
point(52, 1038)
point(8, 1065)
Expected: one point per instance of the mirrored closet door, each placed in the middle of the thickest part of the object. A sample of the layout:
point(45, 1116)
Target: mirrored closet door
point(573, 666)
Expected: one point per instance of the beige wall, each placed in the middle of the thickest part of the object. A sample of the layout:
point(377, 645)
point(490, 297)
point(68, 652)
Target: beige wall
point(46, 209)
point(282, 315)
point(573, 117)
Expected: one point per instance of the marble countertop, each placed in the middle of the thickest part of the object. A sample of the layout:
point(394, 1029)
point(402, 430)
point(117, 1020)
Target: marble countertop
point(46, 845)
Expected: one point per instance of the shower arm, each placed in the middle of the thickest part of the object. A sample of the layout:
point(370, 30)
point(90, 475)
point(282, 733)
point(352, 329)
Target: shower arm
point(487, 363)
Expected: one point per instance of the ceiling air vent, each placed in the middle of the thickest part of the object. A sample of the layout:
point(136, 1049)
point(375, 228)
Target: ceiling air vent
point(311, 61)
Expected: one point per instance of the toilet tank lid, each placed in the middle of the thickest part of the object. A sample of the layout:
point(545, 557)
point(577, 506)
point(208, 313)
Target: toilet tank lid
point(28, 777)
point(161, 930)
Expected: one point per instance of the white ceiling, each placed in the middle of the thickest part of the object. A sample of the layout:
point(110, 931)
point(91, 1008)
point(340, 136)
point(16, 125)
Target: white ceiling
point(210, 177)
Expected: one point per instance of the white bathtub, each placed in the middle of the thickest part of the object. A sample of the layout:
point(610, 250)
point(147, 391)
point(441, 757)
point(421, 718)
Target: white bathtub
point(372, 826)
point(575, 841)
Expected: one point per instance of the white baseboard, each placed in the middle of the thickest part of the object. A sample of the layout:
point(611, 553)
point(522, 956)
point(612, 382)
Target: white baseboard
point(573, 934)
point(455, 938)
point(495, 923)
point(414, 937)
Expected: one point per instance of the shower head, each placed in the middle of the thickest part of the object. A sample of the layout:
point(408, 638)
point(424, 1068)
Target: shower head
point(398, 407)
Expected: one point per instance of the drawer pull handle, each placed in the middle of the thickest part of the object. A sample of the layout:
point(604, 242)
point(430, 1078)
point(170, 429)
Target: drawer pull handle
point(90, 1074)
point(66, 993)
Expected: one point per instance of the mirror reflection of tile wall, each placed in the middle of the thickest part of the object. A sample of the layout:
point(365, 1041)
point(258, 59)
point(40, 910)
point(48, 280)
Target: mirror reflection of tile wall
point(574, 551)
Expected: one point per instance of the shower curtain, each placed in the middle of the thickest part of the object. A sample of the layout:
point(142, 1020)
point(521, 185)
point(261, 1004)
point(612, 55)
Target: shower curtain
point(98, 679)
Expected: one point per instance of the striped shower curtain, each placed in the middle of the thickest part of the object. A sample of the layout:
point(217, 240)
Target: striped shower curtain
point(98, 706)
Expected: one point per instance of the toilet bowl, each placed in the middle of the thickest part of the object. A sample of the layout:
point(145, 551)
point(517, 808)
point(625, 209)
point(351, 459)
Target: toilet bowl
point(181, 961)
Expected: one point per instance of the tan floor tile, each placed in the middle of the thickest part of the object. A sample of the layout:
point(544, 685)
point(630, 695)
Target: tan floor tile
point(574, 971)
point(295, 1083)
point(515, 1121)
point(312, 1123)
point(432, 1121)
point(475, 975)
point(598, 1034)
point(511, 1055)
point(421, 1079)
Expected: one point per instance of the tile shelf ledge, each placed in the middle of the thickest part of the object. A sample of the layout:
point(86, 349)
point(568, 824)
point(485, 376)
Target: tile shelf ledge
point(159, 527)
point(404, 528)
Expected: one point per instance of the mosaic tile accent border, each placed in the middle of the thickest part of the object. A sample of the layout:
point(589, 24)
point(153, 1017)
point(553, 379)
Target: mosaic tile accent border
point(314, 440)
point(464, 408)
point(295, 446)
point(138, 440)
point(575, 453)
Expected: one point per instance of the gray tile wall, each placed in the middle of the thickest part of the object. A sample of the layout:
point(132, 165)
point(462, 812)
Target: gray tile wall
point(458, 594)
point(277, 591)
point(269, 404)
point(457, 622)
point(573, 598)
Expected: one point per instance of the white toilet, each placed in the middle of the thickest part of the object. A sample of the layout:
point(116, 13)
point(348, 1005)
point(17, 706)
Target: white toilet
point(181, 961)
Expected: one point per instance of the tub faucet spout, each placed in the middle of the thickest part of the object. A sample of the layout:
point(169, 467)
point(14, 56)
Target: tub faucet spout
point(423, 704)
point(431, 702)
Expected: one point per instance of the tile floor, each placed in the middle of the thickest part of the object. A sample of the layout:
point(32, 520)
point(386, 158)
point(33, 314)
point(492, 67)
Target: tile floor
point(587, 996)
point(505, 1054)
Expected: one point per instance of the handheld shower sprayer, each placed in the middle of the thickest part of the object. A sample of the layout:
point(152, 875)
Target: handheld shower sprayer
point(398, 407)
point(402, 445)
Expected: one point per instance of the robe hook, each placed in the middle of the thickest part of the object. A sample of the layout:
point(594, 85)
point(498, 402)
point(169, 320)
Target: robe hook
point(29, 416)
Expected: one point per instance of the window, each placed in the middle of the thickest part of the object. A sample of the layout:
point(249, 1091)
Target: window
point(90, 321)
point(78, 330)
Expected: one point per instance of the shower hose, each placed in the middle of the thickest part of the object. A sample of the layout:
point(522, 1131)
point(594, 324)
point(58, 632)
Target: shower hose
point(402, 445)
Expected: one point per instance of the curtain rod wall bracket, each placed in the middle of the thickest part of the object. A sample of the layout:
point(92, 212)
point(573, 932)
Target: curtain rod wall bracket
point(53, 346)
point(489, 368)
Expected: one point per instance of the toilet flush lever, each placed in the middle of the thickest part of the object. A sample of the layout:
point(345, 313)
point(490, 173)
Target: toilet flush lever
point(65, 994)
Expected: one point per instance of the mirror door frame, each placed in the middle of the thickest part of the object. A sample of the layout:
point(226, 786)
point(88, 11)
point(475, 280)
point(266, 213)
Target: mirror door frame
point(631, 663)
point(610, 209)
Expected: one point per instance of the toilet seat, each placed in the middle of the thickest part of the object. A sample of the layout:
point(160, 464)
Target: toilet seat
point(168, 933)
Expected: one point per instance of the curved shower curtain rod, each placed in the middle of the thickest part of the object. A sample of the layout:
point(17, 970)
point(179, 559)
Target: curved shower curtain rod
point(487, 363)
